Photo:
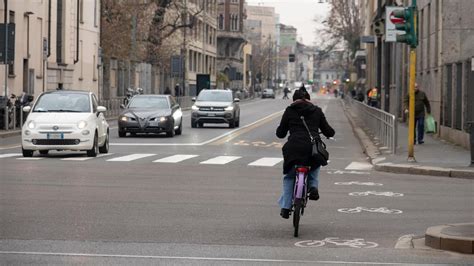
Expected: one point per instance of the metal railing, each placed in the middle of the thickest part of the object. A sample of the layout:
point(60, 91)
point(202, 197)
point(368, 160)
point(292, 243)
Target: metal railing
point(380, 123)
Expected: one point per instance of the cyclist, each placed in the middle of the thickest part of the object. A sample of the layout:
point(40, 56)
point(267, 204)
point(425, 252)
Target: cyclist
point(297, 150)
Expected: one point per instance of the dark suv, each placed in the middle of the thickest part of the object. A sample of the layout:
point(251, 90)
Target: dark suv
point(215, 106)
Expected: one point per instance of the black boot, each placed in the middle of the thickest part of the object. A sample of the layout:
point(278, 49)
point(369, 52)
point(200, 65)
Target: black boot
point(313, 193)
point(285, 213)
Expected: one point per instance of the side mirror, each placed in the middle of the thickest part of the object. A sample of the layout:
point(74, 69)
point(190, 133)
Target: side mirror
point(236, 100)
point(193, 99)
point(27, 109)
point(101, 109)
point(122, 106)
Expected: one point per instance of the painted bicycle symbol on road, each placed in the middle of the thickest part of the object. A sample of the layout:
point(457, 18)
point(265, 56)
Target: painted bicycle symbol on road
point(358, 183)
point(353, 243)
point(376, 193)
point(383, 210)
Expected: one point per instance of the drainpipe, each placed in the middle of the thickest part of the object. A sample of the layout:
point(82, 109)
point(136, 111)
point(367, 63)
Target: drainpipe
point(5, 119)
point(77, 33)
point(49, 28)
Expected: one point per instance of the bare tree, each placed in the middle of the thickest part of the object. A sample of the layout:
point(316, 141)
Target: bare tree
point(343, 24)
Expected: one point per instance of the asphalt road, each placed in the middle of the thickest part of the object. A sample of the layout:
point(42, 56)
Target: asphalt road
point(218, 204)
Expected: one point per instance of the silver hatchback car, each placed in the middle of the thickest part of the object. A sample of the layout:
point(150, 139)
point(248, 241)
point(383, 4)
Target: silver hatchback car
point(215, 106)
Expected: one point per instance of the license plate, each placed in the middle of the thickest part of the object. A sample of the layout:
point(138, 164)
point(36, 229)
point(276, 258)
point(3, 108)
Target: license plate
point(55, 136)
point(211, 114)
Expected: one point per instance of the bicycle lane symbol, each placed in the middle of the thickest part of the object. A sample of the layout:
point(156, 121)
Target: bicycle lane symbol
point(383, 210)
point(337, 242)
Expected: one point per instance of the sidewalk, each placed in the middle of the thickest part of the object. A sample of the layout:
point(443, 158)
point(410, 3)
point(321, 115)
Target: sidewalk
point(435, 157)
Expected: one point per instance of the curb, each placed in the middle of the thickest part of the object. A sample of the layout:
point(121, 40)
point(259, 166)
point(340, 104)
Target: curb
point(373, 153)
point(435, 238)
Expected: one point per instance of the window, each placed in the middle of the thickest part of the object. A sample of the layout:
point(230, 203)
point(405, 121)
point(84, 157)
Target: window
point(221, 21)
point(448, 96)
point(59, 32)
point(458, 98)
point(11, 66)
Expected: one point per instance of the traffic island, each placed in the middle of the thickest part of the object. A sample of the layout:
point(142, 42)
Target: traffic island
point(451, 237)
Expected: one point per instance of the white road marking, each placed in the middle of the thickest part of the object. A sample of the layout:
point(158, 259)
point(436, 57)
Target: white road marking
point(85, 158)
point(98, 255)
point(266, 161)
point(30, 158)
point(359, 166)
point(201, 143)
point(8, 155)
point(221, 160)
point(175, 158)
point(131, 157)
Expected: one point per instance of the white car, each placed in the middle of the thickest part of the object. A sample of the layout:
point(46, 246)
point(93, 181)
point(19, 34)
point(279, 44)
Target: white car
point(65, 120)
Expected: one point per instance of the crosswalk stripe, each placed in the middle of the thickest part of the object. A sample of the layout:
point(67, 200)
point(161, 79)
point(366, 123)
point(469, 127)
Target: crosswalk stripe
point(359, 166)
point(131, 157)
point(85, 158)
point(8, 155)
point(175, 158)
point(221, 160)
point(30, 158)
point(266, 161)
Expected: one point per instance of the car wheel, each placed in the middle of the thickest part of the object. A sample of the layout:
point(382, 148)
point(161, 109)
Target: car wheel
point(122, 134)
point(237, 123)
point(231, 123)
point(193, 124)
point(179, 131)
point(27, 153)
point(95, 147)
point(201, 124)
point(170, 133)
point(105, 148)
point(44, 152)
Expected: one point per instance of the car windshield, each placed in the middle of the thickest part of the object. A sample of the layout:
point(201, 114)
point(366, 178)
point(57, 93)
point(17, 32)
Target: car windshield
point(149, 102)
point(215, 96)
point(268, 90)
point(63, 102)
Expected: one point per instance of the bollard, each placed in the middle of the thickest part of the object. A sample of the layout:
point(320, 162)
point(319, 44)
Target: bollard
point(471, 123)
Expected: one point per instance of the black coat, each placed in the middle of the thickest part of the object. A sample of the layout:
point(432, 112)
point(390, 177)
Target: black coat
point(297, 150)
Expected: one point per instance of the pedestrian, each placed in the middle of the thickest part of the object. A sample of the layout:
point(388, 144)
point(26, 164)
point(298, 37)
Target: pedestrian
point(285, 92)
point(373, 97)
point(421, 101)
point(360, 95)
point(167, 91)
point(177, 90)
point(297, 150)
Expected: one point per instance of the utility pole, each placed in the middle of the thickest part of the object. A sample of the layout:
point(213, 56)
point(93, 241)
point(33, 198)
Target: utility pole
point(183, 49)
point(410, 26)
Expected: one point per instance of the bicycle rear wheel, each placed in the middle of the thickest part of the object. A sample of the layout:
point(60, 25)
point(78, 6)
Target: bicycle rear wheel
point(296, 216)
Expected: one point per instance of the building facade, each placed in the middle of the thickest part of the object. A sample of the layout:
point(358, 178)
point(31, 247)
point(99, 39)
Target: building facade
point(56, 46)
point(444, 63)
point(230, 42)
point(288, 71)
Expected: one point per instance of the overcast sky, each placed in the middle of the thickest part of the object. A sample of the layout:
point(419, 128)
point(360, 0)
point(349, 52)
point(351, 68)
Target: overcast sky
point(299, 14)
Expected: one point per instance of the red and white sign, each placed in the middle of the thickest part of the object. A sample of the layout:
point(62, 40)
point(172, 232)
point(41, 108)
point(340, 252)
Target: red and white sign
point(390, 21)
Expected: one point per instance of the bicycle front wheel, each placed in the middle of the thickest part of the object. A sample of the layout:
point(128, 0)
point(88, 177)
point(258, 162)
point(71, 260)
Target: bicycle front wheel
point(296, 216)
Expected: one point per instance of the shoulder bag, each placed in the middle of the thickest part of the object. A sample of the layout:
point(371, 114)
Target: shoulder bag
point(319, 152)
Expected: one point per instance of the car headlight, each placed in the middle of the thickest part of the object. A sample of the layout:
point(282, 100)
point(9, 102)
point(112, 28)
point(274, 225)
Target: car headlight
point(124, 118)
point(194, 108)
point(31, 125)
point(82, 124)
point(229, 108)
point(163, 119)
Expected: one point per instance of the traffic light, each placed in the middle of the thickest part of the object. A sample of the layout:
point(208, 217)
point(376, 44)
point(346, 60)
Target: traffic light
point(409, 26)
